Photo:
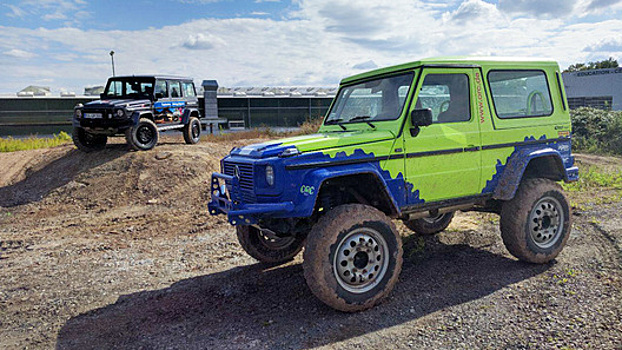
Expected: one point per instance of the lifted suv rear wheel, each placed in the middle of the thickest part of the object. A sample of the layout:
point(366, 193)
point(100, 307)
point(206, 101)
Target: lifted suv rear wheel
point(535, 224)
point(353, 257)
point(192, 131)
point(87, 142)
point(430, 225)
point(267, 248)
point(142, 136)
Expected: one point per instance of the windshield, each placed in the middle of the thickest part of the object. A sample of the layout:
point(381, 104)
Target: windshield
point(379, 99)
point(129, 88)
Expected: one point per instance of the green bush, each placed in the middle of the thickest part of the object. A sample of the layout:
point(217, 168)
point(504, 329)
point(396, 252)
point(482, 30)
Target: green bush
point(596, 131)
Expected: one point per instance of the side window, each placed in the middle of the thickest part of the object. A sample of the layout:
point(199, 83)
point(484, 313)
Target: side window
point(175, 87)
point(188, 89)
point(520, 94)
point(447, 95)
point(160, 89)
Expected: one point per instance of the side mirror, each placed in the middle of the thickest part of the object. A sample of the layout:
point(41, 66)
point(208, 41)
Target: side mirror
point(421, 117)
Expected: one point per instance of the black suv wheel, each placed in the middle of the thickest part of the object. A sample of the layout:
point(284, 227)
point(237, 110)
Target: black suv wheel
point(192, 131)
point(87, 142)
point(142, 136)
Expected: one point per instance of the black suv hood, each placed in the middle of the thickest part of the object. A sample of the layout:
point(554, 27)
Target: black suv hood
point(118, 103)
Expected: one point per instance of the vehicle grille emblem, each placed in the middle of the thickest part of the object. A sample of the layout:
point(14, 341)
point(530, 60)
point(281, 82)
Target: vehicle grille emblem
point(236, 171)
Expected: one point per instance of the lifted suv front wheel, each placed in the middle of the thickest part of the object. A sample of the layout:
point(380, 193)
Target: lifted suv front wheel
point(142, 136)
point(353, 257)
point(535, 224)
point(268, 248)
point(87, 142)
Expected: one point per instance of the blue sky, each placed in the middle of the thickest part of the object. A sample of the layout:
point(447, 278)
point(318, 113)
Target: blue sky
point(64, 44)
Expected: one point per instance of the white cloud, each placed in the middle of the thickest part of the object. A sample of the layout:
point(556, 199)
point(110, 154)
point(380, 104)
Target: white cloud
point(606, 45)
point(202, 41)
point(538, 8)
point(17, 53)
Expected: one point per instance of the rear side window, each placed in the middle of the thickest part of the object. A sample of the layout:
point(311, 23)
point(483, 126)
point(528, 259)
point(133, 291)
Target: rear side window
point(188, 89)
point(520, 94)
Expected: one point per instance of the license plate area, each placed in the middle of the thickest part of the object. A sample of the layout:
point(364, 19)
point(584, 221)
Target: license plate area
point(92, 115)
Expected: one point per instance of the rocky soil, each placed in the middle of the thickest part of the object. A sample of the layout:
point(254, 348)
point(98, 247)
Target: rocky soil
point(115, 250)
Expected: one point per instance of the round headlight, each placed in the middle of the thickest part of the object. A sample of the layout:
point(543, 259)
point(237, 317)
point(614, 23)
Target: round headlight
point(120, 113)
point(270, 175)
point(78, 113)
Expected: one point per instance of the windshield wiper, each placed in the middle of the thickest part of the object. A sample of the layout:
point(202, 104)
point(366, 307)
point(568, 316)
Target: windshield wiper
point(363, 117)
point(336, 121)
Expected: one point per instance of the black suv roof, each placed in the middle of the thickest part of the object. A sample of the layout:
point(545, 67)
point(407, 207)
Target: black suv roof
point(156, 76)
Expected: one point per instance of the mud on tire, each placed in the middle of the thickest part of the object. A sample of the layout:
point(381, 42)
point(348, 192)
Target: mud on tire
point(431, 225)
point(353, 257)
point(87, 142)
point(536, 223)
point(192, 131)
point(143, 136)
point(272, 250)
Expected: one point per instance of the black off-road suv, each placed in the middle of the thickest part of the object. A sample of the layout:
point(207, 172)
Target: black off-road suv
point(138, 107)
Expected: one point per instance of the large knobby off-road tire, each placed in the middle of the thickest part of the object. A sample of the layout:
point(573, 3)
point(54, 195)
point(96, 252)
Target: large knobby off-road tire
point(430, 225)
point(266, 249)
point(353, 257)
point(192, 131)
point(142, 136)
point(536, 223)
point(87, 142)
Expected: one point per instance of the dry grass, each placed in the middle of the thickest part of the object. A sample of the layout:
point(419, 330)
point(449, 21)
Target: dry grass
point(308, 127)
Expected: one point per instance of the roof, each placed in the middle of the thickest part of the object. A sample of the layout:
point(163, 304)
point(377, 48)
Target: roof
point(458, 61)
point(157, 76)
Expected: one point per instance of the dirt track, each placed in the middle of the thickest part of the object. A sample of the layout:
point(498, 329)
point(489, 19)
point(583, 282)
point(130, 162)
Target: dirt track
point(116, 250)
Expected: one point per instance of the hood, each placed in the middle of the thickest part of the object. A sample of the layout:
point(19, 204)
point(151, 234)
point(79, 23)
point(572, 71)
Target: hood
point(129, 103)
point(311, 143)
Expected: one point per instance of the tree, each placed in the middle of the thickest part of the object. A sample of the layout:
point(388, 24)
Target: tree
point(578, 67)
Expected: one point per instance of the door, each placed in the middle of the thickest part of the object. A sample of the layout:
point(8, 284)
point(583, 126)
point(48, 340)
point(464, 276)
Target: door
point(443, 159)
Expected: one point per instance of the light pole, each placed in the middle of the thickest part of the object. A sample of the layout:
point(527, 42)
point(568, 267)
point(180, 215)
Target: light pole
point(112, 58)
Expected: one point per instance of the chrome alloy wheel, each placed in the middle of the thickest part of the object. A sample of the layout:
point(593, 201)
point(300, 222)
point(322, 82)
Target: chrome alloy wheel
point(546, 222)
point(361, 260)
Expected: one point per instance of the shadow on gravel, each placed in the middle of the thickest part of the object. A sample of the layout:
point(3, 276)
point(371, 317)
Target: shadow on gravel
point(59, 172)
point(259, 307)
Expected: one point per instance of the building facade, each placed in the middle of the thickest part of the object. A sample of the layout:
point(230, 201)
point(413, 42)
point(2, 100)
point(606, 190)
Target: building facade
point(599, 88)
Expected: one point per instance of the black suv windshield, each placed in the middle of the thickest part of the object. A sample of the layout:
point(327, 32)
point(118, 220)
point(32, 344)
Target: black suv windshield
point(129, 88)
point(374, 100)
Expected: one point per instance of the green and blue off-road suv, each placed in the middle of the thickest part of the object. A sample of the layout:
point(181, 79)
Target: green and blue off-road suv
point(414, 142)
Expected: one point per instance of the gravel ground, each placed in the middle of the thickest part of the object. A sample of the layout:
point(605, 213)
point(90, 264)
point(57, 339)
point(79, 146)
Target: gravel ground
point(116, 250)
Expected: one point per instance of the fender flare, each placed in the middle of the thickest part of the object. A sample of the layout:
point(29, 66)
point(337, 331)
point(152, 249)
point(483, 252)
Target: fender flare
point(515, 168)
point(188, 113)
point(312, 183)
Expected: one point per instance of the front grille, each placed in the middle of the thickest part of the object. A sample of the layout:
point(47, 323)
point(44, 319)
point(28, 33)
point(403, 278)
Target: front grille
point(247, 188)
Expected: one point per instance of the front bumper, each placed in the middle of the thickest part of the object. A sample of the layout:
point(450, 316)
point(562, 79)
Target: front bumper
point(226, 199)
